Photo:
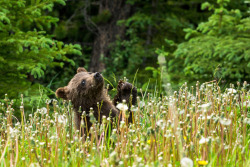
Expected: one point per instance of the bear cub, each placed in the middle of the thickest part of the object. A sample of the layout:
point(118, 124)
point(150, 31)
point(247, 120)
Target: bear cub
point(86, 89)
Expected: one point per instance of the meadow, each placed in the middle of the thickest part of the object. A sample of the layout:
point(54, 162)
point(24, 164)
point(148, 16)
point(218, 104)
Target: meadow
point(195, 126)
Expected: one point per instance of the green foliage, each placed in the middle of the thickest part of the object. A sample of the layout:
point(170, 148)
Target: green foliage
point(103, 17)
point(216, 49)
point(27, 51)
point(146, 30)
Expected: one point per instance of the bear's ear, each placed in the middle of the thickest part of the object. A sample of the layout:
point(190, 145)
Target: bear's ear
point(81, 69)
point(62, 93)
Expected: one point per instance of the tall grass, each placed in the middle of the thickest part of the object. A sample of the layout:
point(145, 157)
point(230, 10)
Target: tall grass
point(197, 126)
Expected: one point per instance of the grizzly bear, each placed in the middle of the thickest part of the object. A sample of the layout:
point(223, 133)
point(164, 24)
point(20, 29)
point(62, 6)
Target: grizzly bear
point(86, 90)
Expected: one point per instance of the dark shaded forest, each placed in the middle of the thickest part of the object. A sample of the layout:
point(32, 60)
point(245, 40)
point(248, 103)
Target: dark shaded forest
point(44, 41)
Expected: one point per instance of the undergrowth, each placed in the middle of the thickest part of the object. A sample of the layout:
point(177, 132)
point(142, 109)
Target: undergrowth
point(197, 126)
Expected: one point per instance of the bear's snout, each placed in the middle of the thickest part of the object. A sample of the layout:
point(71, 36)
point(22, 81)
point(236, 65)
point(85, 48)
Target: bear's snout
point(98, 77)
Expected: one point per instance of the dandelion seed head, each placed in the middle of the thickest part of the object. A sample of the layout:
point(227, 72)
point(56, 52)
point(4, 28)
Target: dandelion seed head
point(247, 121)
point(122, 107)
point(225, 121)
point(203, 140)
point(186, 162)
point(43, 111)
point(231, 90)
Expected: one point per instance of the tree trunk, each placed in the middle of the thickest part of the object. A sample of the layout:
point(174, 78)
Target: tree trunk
point(108, 32)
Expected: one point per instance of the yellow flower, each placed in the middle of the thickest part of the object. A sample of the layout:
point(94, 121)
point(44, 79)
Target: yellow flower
point(202, 163)
point(185, 138)
point(149, 141)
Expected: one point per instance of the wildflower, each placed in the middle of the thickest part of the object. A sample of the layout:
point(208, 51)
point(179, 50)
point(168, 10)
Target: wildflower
point(23, 158)
point(246, 104)
point(34, 165)
point(134, 109)
point(226, 147)
point(122, 123)
point(209, 85)
point(247, 120)
point(231, 90)
point(113, 156)
point(149, 141)
point(142, 104)
point(203, 140)
point(138, 159)
point(159, 123)
point(13, 132)
point(204, 106)
point(181, 112)
point(225, 121)
point(122, 106)
point(202, 163)
point(62, 119)
point(43, 111)
point(42, 143)
point(186, 162)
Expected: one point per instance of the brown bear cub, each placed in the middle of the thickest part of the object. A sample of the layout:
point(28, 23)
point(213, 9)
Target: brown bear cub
point(86, 90)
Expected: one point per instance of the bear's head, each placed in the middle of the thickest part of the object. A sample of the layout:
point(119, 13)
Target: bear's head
point(84, 87)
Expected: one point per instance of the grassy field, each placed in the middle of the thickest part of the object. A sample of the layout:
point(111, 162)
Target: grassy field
point(197, 126)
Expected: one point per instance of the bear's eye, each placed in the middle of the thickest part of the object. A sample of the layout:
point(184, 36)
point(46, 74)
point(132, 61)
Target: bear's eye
point(83, 82)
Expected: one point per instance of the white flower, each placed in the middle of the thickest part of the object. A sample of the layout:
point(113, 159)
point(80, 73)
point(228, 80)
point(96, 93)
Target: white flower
point(13, 132)
point(139, 159)
point(113, 154)
point(181, 112)
point(246, 104)
point(134, 109)
point(225, 121)
point(159, 123)
point(43, 111)
point(231, 90)
point(142, 104)
point(122, 107)
point(247, 120)
point(205, 105)
point(186, 162)
point(62, 119)
point(23, 158)
point(203, 140)
point(34, 165)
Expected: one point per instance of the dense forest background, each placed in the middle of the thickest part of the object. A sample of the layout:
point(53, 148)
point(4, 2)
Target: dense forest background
point(42, 42)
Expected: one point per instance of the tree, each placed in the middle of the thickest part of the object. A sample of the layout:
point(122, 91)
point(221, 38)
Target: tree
point(106, 29)
point(217, 49)
point(26, 50)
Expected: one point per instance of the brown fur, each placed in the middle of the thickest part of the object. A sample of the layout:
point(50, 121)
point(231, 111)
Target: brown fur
point(87, 95)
